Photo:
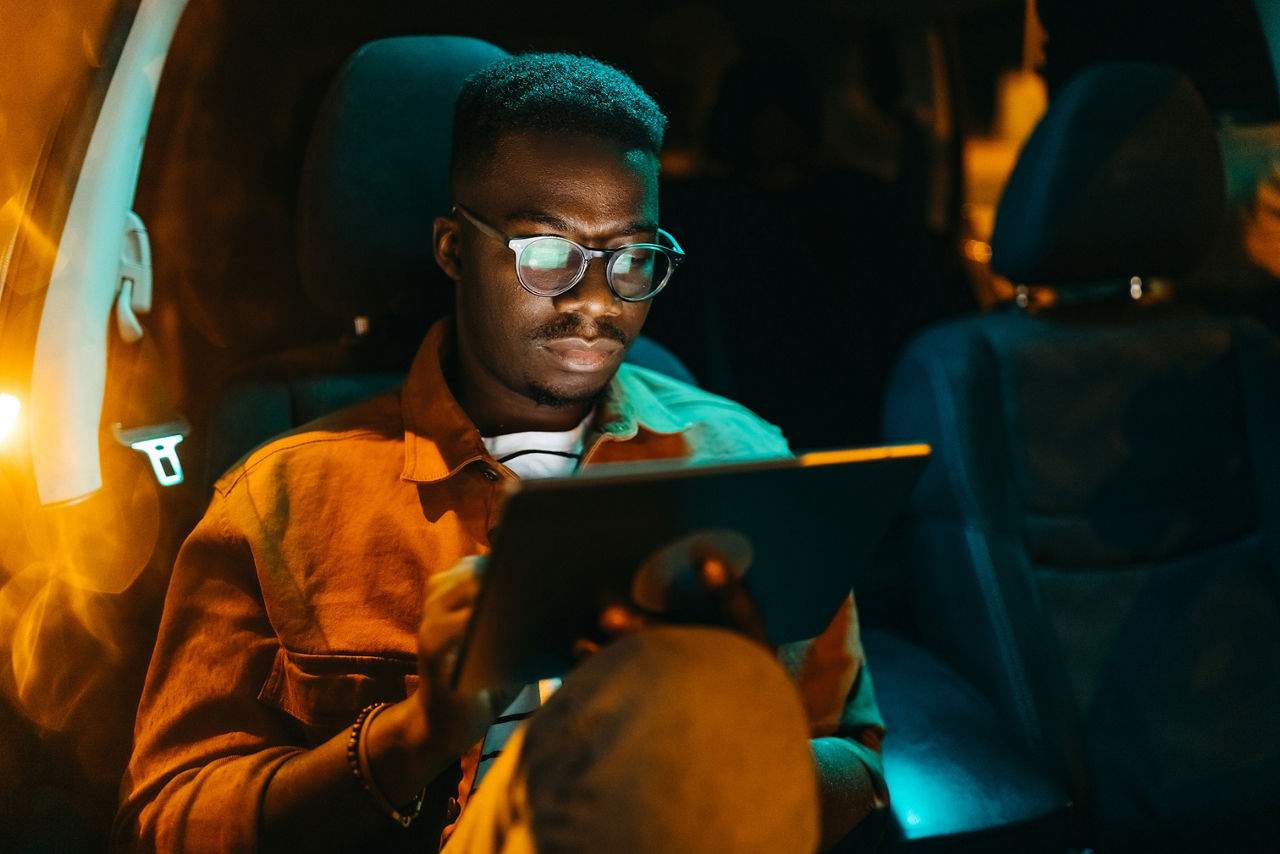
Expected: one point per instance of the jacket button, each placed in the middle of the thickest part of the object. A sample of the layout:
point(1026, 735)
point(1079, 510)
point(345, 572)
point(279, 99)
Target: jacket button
point(452, 811)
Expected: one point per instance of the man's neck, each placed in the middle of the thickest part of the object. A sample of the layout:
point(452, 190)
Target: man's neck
point(497, 410)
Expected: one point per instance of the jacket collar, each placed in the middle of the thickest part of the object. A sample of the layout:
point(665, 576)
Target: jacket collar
point(440, 439)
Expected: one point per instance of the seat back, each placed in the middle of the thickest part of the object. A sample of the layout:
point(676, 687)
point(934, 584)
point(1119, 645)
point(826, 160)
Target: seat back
point(1096, 539)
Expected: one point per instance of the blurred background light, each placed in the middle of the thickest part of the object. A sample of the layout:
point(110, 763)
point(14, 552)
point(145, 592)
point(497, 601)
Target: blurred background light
point(9, 407)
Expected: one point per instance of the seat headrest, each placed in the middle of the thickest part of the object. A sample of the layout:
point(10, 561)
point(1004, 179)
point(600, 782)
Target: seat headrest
point(1122, 177)
point(376, 172)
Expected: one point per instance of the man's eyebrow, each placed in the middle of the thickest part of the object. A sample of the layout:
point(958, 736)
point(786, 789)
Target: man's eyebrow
point(555, 223)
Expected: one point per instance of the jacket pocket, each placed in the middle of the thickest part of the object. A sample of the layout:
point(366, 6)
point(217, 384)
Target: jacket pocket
point(324, 693)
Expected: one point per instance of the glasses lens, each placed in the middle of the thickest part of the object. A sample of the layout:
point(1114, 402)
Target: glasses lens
point(549, 263)
point(638, 271)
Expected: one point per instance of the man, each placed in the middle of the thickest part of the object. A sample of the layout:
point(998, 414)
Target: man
point(298, 697)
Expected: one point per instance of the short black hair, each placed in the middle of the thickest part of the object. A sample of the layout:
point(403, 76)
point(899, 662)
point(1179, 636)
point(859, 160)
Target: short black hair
point(551, 92)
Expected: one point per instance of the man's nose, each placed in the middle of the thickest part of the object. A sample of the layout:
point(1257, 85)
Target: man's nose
point(591, 295)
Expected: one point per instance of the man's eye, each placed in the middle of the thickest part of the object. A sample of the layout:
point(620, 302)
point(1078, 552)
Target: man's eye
point(547, 254)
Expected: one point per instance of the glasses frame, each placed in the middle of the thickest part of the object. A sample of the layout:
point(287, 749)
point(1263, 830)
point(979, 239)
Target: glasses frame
point(517, 245)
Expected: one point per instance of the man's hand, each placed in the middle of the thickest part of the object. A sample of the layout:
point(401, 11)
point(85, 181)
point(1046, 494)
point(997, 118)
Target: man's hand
point(412, 741)
point(724, 602)
point(454, 721)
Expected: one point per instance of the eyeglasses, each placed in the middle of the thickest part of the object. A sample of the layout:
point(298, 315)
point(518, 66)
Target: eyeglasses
point(548, 265)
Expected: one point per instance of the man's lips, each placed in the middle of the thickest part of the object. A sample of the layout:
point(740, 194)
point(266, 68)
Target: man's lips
point(583, 354)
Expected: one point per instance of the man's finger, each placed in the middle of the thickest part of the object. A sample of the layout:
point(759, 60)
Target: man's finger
point(454, 588)
point(584, 649)
point(735, 604)
point(715, 574)
point(617, 620)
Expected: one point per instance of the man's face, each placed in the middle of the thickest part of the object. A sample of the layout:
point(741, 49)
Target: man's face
point(517, 349)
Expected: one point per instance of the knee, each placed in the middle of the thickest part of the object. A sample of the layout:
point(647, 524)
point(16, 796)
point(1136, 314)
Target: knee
point(680, 739)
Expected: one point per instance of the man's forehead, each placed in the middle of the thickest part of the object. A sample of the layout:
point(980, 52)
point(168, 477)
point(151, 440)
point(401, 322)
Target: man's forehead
point(556, 152)
point(543, 170)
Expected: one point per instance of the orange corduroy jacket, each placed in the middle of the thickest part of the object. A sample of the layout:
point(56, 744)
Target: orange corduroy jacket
point(295, 601)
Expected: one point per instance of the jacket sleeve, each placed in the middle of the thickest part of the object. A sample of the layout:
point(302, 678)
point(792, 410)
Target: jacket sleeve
point(205, 747)
point(835, 685)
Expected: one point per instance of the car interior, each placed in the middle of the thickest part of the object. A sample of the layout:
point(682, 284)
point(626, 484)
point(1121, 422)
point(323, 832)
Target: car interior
point(1073, 629)
point(1103, 499)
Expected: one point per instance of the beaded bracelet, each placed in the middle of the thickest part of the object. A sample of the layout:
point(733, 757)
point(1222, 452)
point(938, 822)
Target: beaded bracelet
point(358, 760)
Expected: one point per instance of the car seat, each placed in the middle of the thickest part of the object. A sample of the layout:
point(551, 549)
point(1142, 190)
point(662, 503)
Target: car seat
point(374, 178)
point(1094, 543)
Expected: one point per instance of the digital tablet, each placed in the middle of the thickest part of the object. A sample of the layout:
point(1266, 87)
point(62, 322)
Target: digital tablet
point(798, 531)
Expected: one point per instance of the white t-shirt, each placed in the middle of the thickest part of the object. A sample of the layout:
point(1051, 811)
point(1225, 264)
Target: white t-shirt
point(536, 454)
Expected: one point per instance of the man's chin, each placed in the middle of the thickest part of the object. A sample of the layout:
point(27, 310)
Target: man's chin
point(563, 397)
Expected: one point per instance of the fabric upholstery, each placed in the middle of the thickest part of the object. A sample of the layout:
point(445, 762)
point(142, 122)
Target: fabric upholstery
point(1110, 582)
point(953, 771)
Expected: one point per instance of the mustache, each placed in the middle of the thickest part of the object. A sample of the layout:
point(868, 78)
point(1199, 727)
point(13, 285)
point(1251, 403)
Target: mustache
point(577, 326)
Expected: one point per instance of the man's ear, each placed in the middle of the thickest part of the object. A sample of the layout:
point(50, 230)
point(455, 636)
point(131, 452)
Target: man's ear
point(445, 246)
